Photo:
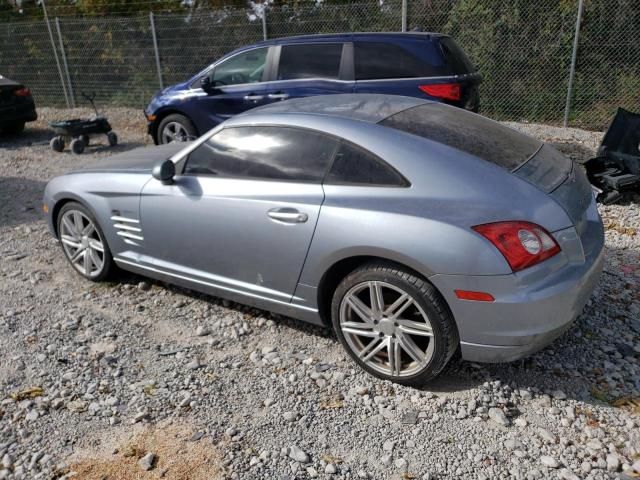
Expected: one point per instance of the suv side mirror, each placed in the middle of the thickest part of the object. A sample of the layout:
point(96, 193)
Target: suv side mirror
point(207, 85)
point(164, 171)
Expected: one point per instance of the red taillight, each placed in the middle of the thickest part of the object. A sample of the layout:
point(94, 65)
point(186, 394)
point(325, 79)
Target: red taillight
point(475, 296)
point(22, 92)
point(445, 91)
point(523, 244)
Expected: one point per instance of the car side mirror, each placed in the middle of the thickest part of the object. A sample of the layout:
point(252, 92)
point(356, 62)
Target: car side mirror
point(164, 171)
point(207, 85)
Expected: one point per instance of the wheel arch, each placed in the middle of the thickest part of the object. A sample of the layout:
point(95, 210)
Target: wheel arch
point(161, 115)
point(343, 267)
point(55, 211)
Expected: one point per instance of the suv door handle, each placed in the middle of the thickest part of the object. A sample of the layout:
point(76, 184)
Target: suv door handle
point(287, 215)
point(278, 96)
point(253, 98)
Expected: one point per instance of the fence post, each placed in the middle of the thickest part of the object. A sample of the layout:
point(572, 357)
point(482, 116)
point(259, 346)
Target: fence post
point(264, 21)
point(66, 66)
point(155, 49)
point(55, 52)
point(404, 15)
point(572, 69)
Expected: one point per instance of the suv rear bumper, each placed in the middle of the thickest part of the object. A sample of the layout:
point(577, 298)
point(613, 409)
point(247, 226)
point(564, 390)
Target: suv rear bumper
point(17, 112)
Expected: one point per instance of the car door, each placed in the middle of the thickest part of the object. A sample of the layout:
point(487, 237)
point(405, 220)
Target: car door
point(235, 85)
point(307, 69)
point(241, 215)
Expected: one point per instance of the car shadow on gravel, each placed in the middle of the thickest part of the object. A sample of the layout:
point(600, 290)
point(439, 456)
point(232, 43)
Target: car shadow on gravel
point(30, 137)
point(20, 198)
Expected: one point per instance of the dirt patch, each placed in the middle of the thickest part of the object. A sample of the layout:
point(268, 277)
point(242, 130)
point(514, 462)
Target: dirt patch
point(179, 455)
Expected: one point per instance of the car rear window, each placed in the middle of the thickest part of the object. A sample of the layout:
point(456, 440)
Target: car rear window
point(310, 61)
point(455, 56)
point(376, 60)
point(467, 132)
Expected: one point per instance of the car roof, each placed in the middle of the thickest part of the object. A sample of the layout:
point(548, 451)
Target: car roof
point(367, 107)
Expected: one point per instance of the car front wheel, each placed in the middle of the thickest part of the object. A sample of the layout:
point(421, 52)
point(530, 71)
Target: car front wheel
point(394, 324)
point(83, 242)
point(176, 128)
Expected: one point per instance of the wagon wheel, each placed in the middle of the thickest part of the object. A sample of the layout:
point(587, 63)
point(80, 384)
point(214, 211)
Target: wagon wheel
point(85, 139)
point(57, 143)
point(113, 139)
point(77, 146)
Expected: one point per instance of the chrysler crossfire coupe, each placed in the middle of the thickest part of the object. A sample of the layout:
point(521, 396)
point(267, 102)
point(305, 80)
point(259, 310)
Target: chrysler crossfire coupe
point(414, 229)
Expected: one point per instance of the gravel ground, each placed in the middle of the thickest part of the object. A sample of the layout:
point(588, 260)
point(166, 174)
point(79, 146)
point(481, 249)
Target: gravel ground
point(138, 379)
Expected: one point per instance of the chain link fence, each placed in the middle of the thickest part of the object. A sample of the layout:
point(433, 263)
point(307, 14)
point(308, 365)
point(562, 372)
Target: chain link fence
point(522, 48)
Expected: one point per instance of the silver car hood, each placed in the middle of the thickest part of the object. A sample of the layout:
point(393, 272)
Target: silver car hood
point(138, 160)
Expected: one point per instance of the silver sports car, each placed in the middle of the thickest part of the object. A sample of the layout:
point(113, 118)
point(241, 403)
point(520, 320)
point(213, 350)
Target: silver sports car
point(413, 228)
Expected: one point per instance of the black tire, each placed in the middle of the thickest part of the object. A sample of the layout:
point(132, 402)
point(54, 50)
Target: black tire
point(109, 267)
point(57, 144)
point(445, 333)
point(112, 138)
point(175, 118)
point(14, 129)
point(77, 146)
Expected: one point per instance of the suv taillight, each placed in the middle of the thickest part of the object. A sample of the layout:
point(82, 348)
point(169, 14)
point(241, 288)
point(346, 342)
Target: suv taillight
point(22, 92)
point(523, 244)
point(445, 91)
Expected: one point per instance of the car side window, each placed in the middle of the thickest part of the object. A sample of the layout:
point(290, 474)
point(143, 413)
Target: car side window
point(268, 153)
point(374, 60)
point(246, 67)
point(301, 61)
point(356, 166)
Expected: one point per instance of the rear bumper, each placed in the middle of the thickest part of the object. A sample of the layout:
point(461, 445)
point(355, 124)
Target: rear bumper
point(17, 112)
point(530, 310)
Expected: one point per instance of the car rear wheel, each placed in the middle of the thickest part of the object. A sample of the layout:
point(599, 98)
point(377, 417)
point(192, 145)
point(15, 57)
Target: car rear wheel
point(175, 128)
point(84, 243)
point(394, 324)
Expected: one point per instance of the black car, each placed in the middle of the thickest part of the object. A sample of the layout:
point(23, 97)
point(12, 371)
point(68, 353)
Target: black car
point(423, 65)
point(16, 106)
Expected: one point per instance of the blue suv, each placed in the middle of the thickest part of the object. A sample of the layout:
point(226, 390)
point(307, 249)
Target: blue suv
point(424, 65)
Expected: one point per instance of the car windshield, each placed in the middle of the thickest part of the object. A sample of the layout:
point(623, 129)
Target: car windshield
point(468, 132)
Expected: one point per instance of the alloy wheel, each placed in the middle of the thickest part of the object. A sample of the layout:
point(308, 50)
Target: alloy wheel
point(386, 328)
point(174, 132)
point(82, 243)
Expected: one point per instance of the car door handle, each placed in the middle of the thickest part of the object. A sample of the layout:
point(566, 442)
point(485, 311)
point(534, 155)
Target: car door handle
point(287, 215)
point(278, 96)
point(253, 98)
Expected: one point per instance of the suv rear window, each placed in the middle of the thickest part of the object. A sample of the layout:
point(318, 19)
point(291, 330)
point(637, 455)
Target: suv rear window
point(374, 60)
point(467, 132)
point(310, 61)
point(455, 56)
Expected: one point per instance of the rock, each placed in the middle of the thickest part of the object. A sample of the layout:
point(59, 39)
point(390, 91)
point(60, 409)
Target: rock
point(312, 472)
point(498, 416)
point(290, 416)
point(148, 461)
point(549, 462)
point(330, 469)
point(144, 286)
point(401, 464)
point(559, 395)
point(298, 455)
point(202, 331)
point(520, 422)
point(386, 459)
point(388, 445)
point(567, 474)
point(613, 462)
point(77, 406)
point(546, 435)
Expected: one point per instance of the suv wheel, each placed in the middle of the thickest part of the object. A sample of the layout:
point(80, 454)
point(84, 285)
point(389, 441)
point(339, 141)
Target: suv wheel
point(175, 128)
point(394, 324)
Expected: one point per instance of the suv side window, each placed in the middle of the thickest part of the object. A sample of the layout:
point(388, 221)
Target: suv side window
point(246, 67)
point(385, 60)
point(268, 153)
point(320, 60)
point(356, 166)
